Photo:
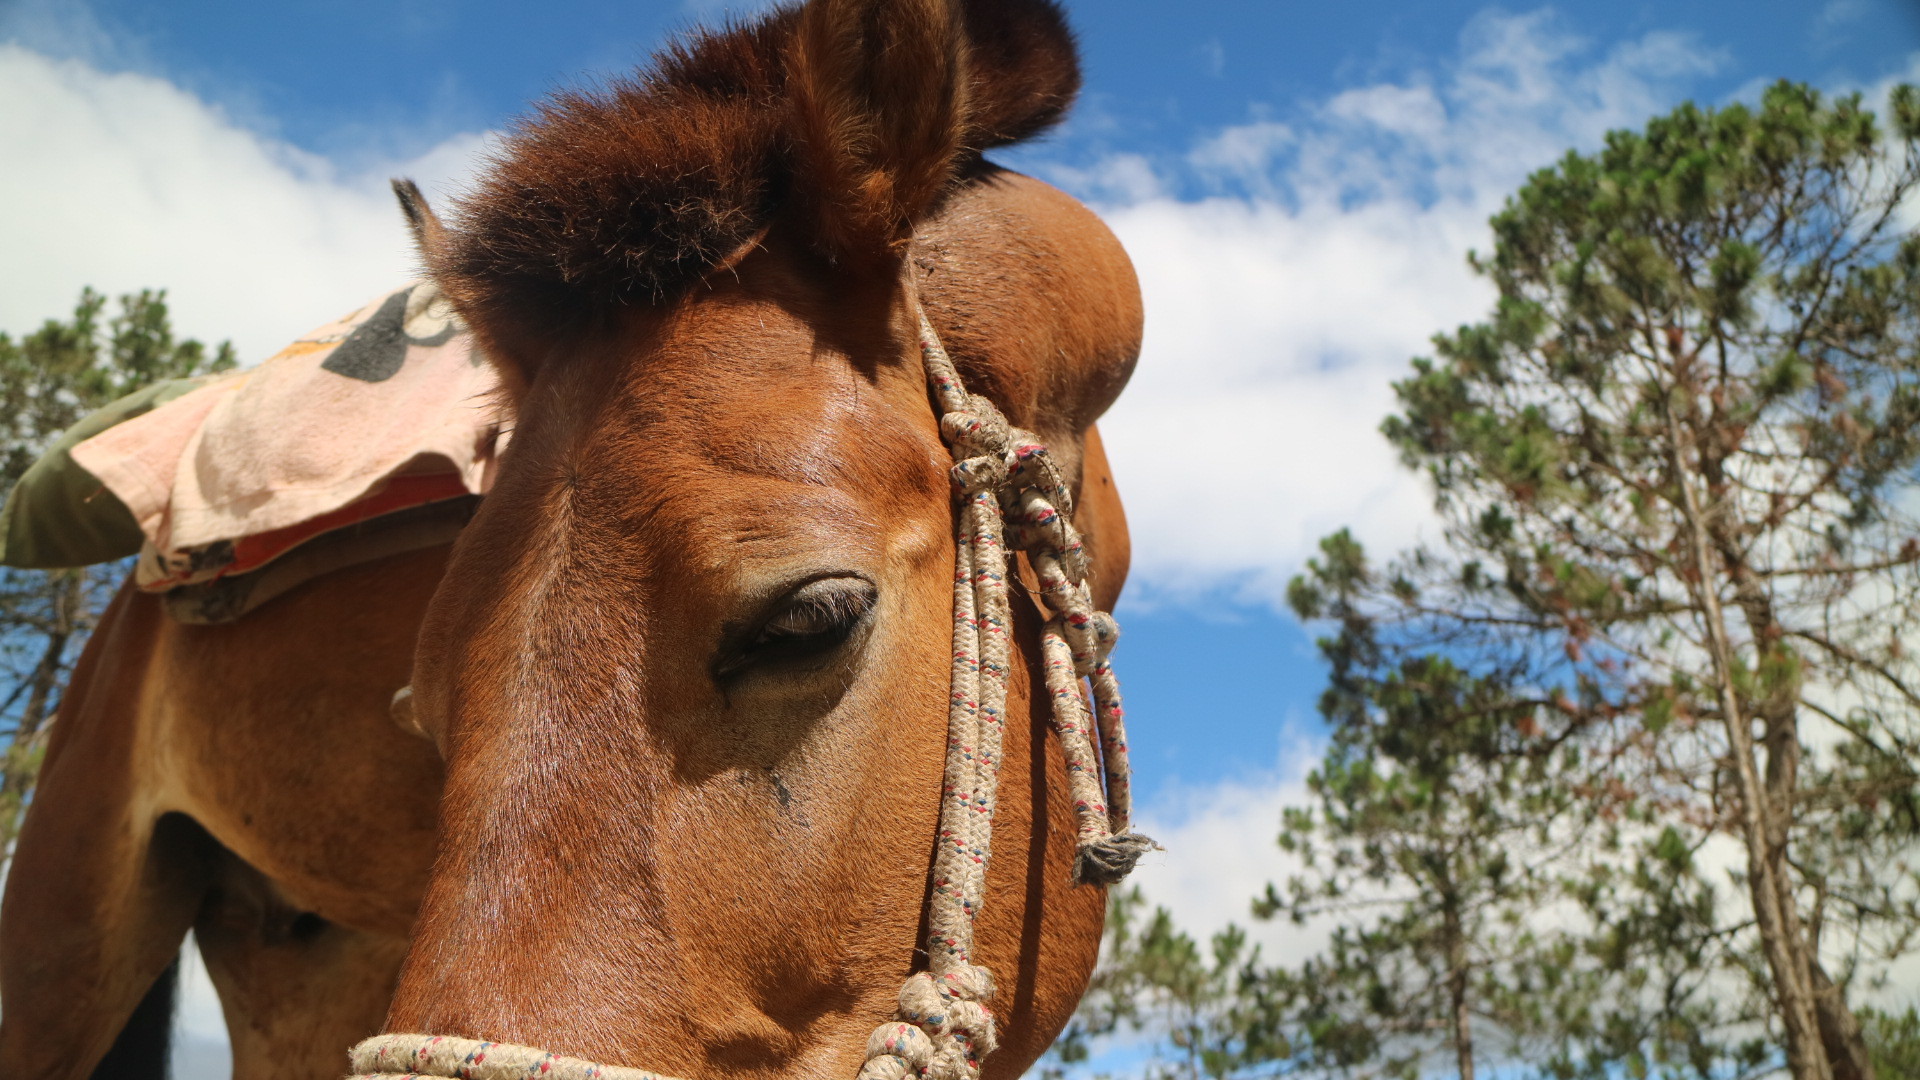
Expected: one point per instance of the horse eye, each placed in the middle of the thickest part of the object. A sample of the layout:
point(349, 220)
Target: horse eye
point(809, 621)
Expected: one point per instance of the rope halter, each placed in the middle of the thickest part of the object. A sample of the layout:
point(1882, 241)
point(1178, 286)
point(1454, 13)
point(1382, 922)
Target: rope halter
point(1011, 492)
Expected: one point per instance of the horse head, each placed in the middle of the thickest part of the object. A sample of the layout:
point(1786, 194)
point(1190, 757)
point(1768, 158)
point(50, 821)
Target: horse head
point(688, 667)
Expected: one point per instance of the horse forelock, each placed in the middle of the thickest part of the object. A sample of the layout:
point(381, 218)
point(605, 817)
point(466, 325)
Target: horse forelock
point(630, 193)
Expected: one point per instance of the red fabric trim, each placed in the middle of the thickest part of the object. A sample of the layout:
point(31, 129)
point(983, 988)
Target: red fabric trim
point(398, 493)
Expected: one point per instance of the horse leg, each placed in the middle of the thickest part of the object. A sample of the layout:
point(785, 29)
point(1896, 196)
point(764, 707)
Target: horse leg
point(283, 745)
point(103, 886)
point(298, 989)
point(144, 1047)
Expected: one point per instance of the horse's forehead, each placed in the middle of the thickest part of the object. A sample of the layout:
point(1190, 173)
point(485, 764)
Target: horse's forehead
point(742, 430)
point(810, 419)
point(773, 501)
point(719, 521)
point(747, 387)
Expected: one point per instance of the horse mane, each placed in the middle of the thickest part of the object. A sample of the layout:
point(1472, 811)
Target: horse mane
point(630, 193)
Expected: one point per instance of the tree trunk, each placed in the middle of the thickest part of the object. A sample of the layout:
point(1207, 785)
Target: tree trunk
point(1778, 712)
point(1762, 822)
point(65, 593)
point(1840, 1031)
point(1457, 991)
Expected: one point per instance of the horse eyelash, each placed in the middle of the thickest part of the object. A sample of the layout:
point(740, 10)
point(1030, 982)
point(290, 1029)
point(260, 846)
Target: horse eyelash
point(834, 611)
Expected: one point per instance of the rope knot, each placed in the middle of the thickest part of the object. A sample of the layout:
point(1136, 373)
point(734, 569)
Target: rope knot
point(1034, 467)
point(922, 1003)
point(944, 1029)
point(977, 474)
point(896, 1051)
point(940, 1001)
point(979, 430)
point(968, 982)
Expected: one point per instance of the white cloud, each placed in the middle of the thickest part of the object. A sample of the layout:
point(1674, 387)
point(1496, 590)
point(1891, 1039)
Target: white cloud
point(1244, 153)
point(1414, 111)
point(1221, 852)
point(1249, 430)
point(1281, 306)
point(123, 181)
point(1119, 179)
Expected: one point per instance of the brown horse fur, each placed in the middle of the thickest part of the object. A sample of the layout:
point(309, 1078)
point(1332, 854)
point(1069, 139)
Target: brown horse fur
point(849, 117)
point(666, 838)
point(864, 171)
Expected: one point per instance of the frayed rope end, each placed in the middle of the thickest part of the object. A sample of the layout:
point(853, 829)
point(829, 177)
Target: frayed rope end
point(1106, 862)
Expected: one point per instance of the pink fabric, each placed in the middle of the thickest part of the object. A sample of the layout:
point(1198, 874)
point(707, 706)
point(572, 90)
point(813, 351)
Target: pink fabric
point(137, 460)
point(291, 440)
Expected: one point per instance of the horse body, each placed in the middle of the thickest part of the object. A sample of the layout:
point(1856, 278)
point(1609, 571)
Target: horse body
point(684, 677)
point(246, 782)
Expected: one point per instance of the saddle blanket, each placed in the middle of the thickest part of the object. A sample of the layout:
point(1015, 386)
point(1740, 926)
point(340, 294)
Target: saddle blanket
point(387, 409)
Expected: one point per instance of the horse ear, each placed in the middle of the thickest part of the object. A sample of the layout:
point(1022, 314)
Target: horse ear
point(429, 236)
point(879, 91)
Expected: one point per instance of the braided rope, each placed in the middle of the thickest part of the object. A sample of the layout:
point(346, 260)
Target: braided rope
point(402, 1057)
point(1007, 475)
point(1011, 492)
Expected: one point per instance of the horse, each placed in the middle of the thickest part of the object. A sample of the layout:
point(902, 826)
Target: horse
point(668, 792)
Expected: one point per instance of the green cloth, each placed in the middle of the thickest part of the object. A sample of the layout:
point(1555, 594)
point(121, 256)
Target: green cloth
point(59, 515)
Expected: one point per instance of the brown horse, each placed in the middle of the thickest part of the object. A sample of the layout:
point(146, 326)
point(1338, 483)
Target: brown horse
point(684, 677)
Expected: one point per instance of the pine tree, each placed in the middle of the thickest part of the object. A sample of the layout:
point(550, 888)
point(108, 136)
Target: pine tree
point(1206, 1014)
point(1502, 891)
point(1430, 840)
point(1686, 440)
point(48, 379)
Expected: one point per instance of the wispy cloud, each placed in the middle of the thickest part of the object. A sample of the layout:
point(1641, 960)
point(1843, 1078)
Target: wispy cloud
point(121, 180)
point(1213, 57)
point(1293, 265)
point(1221, 852)
point(1837, 13)
point(71, 31)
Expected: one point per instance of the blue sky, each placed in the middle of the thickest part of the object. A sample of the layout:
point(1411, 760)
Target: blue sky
point(349, 78)
point(1298, 184)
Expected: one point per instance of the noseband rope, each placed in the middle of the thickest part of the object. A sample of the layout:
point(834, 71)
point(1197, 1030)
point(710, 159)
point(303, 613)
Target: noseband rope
point(1011, 490)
